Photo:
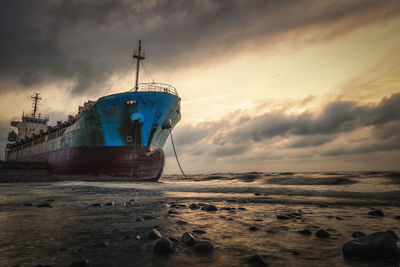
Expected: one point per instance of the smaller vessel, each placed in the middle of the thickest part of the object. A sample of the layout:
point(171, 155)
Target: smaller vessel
point(118, 135)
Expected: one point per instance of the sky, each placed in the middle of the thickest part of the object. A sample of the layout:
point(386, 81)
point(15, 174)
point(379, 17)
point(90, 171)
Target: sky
point(265, 85)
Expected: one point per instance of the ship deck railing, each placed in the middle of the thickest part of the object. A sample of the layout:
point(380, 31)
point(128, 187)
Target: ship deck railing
point(156, 87)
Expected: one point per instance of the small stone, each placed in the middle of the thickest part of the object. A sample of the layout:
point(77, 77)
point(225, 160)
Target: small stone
point(50, 199)
point(139, 220)
point(44, 205)
point(395, 236)
point(209, 208)
point(153, 234)
point(194, 206)
point(97, 205)
point(197, 231)
point(253, 228)
point(203, 246)
point(376, 213)
point(304, 232)
point(357, 234)
point(188, 239)
point(110, 204)
point(138, 237)
point(323, 206)
point(148, 217)
point(105, 244)
point(180, 222)
point(241, 208)
point(270, 231)
point(339, 218)
point(257, 194)
point(27, 205)
point(81, 263)
point(282, 217)
point(257, 260)
point(321, 233)
point(231, 200)
point(397, 218)
point(172, 212)
point(295, 253)
point(164, 245)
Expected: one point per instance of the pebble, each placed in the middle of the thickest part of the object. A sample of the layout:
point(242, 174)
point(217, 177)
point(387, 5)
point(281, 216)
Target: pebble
point(172, 212)
point(339, 218)
point(194, 206)
point(153, 234)
point(188, 239)
point(27, 205)
point(203, 246)
point(80, 263)
point(241, 208)
point(110, 204)
point(257, 260)
point(304, 232)
point(139, 220)
point(97, 205)
point(376, 213)
point(164, 245)
point(295, 253)
point(257, 194)
point(180, 222)
point(50, 199)
point(253, 228)
point(44, 205)
point(209, 208)
point(148, 217)
point(231, 200)
point(321, 233)
point(397, 217)
point(282, 217)
point(357, 234)
point(197, 231)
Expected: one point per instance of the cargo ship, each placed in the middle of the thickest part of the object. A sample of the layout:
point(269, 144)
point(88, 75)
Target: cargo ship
point(119, 135)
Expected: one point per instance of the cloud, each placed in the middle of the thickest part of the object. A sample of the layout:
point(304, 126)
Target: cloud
point(84, 43)
point(329, 132)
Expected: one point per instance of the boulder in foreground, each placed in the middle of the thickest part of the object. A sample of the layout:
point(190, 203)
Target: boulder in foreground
point(164, 245)
point(379, 245)
point(203, 246)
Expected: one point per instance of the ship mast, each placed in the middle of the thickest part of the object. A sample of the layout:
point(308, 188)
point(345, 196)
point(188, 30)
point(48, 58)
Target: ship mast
point(36, 97)
point(139, 55)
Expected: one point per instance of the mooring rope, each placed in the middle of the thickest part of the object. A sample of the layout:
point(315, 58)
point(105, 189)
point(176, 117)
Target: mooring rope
point(176, 155)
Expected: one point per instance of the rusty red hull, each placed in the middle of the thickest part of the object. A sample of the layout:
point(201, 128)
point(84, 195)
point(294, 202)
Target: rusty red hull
point(137, 163)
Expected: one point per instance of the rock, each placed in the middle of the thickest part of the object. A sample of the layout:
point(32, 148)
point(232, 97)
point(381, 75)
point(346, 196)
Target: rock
point(282, 217)
point(253, 228)
point(44, 205)
point(27, 205)
point(203, 246)
point(321, 233)
point(339, 218)
point(172, 212)
point(81, 263)
point(50, 199)
point(357, 234)
point(194, 206)
point(153, 234)
point(97, 205)
point(257, 194)
point(180, 222)
point(199, 231)
point(139, 220)
point(397, 217)
point(231, 200)
point(148, 217)
point(241, 208)
point(304, 232)
point(188, 239)
point(295, 253)
point(111, 203)
point(164, 245)
point(395, 237)
point(257, 260)
point(379, 245)
point(209, 208)
point(376, 213)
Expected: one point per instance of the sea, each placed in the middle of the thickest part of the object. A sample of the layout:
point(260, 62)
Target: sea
point(107, 223)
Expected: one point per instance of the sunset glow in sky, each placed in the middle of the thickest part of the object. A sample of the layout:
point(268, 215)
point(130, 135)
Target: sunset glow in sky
point(265, 85)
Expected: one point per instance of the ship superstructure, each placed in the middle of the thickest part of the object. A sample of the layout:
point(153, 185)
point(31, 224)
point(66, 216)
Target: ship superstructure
point(118, 135)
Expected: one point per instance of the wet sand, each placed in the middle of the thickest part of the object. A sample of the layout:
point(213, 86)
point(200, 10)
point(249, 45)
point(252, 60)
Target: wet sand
point(80, 225)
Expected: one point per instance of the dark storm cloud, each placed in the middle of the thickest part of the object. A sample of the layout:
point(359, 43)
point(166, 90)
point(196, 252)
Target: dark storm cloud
point(4, 130)
point(306, 130)
point(85, 42)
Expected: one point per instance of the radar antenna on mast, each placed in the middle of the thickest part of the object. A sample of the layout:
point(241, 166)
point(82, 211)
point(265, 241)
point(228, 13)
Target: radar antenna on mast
point(139, 55)
point(35, 103)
